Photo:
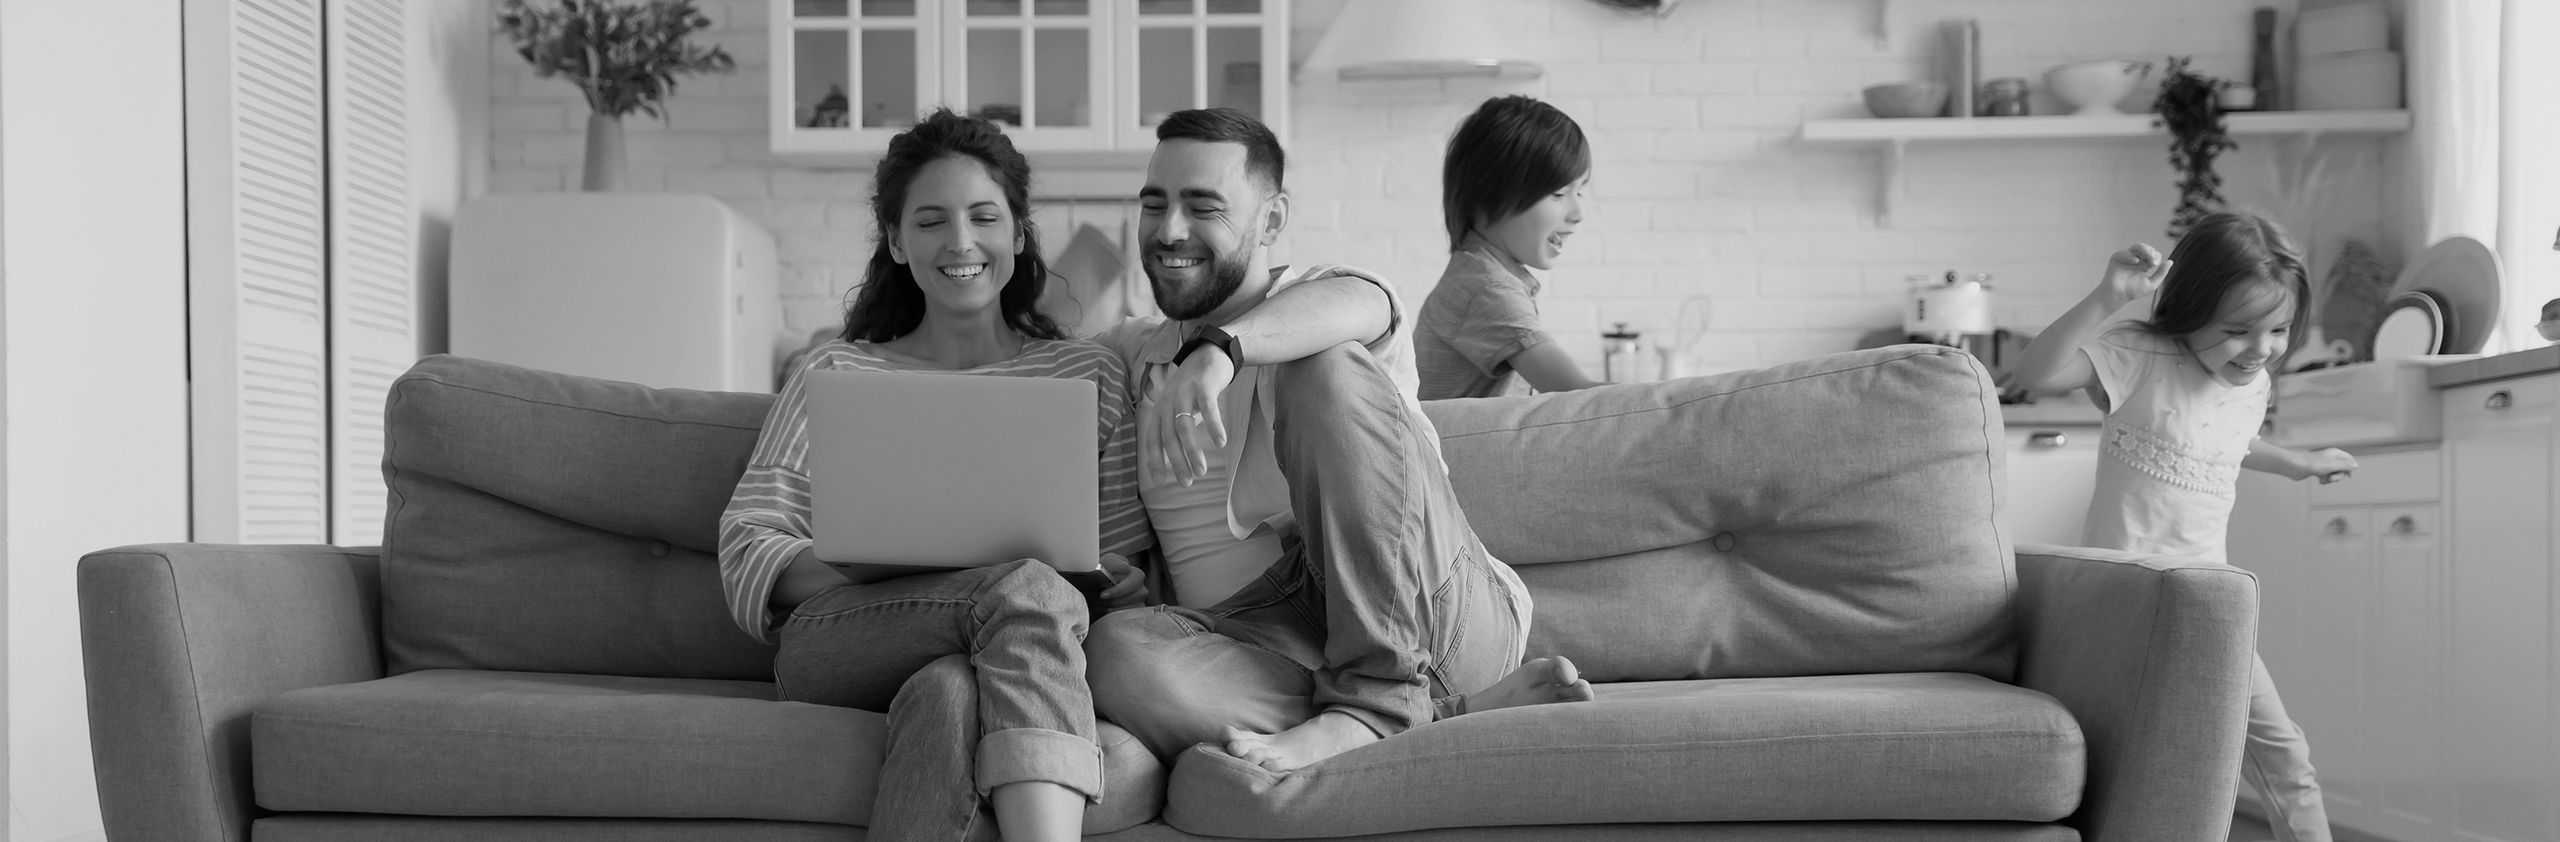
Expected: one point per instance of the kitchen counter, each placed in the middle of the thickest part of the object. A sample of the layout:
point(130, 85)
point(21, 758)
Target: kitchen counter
point(2052, 410)
point(2500, 367)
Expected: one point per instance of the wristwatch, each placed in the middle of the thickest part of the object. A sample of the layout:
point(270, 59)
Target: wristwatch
point(1226, 343)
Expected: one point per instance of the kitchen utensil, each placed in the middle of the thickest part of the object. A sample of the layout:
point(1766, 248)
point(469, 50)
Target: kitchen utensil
point(2262, 62)
point(1906, 99)
point(2463, 274)
point(1964, 49)
point(1618, 354)
point(2094, 87)
point(2357, 289)
point(2004, 97)
point(2413, 326)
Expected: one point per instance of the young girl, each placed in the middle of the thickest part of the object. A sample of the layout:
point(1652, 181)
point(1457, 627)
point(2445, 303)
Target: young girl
point(951, 288)
point(2184, 393)
point(1510, 194)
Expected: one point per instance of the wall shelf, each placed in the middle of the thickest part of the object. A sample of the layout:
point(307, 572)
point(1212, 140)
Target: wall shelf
point(2303, 127)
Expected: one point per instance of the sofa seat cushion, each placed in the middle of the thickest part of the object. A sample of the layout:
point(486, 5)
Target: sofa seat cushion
point(1904, 746)
point(484, 743)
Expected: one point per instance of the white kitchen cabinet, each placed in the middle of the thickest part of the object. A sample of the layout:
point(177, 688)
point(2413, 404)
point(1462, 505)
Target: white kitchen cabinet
point(2501, 439)
point(2051, 472)
point(2350, 624)
point(1065, 76)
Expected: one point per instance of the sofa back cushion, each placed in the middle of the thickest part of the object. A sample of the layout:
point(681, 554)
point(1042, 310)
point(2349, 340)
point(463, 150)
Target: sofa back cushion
point(1838, 515)
point(554, 523)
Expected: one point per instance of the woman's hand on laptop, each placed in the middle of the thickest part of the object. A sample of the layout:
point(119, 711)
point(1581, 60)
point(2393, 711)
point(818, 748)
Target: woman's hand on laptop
point(1128, 584)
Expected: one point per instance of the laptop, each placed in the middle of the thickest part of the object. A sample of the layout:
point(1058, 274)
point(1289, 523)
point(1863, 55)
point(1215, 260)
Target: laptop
point(916, 472)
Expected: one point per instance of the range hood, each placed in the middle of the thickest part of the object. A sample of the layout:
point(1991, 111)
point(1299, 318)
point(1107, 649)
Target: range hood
point(1376, 40)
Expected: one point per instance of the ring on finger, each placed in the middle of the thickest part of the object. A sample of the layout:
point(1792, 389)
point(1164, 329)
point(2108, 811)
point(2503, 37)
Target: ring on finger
point(1192, 417)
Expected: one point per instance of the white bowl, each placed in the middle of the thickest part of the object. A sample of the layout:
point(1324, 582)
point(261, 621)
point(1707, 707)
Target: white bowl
point(2094, 87)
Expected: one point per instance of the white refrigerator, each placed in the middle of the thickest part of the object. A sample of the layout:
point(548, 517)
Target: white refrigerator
point(668, 290)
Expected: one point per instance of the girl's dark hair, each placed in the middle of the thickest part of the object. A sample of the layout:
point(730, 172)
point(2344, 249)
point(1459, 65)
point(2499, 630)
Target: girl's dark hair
point(1510, 153)
point(888, 304)
point(2223, 252)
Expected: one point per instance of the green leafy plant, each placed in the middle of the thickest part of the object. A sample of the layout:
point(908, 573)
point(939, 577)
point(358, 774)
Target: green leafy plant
point(624, 57)
point(2190, 108)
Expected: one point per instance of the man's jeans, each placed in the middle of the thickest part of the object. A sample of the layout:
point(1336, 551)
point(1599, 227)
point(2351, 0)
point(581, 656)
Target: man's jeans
point(1383, 602)
point(2276, 760)
point(982, 674)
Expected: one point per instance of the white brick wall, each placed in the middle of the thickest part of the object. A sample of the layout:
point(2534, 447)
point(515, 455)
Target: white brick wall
point(1700, 186)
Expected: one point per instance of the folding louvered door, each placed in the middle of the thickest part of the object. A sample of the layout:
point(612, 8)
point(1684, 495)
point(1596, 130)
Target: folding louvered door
point(301, 263)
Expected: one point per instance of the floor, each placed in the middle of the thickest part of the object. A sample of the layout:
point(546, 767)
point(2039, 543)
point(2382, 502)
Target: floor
point(2247, 828)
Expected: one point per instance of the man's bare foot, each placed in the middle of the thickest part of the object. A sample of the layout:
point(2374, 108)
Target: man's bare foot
point(1306, 744)
point(1537, 682)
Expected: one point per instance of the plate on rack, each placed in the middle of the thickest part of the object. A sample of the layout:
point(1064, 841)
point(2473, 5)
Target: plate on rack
point(2413, 325)
point(2462, 274)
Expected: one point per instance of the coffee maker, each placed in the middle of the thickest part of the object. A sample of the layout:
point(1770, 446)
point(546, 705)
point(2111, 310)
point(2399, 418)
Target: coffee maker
point(1953, 310)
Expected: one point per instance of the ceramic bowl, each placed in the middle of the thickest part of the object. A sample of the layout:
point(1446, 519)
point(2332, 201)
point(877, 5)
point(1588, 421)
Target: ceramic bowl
point(2549, 330)
point(2094, 87)
point(1907, 99)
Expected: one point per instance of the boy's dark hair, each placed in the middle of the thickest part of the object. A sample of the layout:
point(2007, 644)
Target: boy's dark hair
point(889, 305)
point(1263, 159)
point(1513, 151)
point(2224, 252)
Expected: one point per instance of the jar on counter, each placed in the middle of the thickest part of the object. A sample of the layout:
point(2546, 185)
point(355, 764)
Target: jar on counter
point(1618, 354)
point(2004, 97)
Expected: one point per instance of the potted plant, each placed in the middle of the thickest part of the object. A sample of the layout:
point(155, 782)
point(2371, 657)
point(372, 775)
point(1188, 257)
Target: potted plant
point(623, 56)
point(2190, 107)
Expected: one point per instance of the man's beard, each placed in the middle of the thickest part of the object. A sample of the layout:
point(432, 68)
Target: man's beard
point(1226, 275)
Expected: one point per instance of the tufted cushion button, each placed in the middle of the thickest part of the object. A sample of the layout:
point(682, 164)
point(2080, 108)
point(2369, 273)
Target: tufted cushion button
point(659, 549)
point(1723, 542)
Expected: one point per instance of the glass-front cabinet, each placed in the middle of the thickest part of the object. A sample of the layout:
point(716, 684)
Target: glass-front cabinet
point(1062, 75)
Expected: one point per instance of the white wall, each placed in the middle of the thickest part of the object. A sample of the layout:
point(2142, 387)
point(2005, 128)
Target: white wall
point(1700, 185)
point(95, 357)
point(449, 47)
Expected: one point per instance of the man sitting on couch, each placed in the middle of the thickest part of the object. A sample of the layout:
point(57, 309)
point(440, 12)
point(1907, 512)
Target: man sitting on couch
point(1327, 591)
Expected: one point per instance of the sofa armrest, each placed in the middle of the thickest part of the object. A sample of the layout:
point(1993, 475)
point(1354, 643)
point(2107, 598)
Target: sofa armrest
point(2152, 656)
point(181, 641)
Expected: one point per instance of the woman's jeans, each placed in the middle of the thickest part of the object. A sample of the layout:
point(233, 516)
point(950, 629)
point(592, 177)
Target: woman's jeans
point(982, 674)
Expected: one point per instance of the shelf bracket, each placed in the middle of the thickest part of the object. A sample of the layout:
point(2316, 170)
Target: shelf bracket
point(1889, 184)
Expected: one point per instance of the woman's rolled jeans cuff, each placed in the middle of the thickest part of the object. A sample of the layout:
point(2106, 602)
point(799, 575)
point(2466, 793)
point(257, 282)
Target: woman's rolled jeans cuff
point(1039, 755)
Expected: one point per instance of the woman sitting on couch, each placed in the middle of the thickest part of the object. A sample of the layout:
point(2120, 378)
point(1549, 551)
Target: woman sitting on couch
point(950, 288)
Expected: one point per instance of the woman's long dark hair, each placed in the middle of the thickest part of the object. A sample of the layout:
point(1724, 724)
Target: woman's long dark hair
point(2223, 252)
point(888, 304)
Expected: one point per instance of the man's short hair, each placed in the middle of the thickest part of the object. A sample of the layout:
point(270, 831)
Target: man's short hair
point(1263, 160)
point(1512, 152)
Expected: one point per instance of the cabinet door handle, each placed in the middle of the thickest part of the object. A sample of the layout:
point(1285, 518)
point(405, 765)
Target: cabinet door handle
point(2499, 400)
point(2404, 525)
point(2337, 526)
point(2047, 439)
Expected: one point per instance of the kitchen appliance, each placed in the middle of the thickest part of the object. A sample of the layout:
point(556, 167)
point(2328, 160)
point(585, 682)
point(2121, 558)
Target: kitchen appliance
point(1953, 310)
point(663, 289)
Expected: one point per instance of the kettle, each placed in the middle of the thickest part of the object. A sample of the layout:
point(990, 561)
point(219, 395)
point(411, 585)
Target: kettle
point(1942, 311)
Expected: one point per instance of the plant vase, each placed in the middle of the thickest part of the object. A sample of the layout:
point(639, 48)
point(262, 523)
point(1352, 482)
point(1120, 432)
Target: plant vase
point(605, 155)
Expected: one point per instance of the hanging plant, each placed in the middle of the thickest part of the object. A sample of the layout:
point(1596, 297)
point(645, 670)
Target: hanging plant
point(624, 57)
point(2189, 106)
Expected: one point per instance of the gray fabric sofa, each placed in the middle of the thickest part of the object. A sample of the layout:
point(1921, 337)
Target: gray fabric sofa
point(1791, 586)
